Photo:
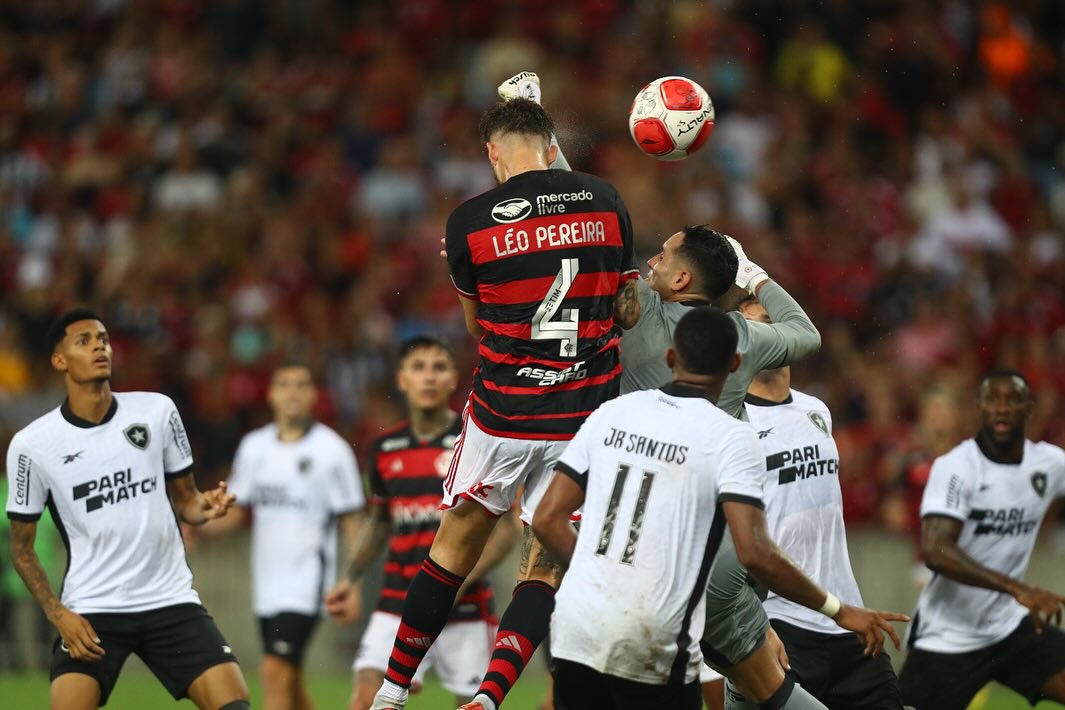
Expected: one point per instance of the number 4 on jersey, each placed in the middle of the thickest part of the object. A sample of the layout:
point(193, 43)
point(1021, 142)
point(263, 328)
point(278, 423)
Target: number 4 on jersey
point(566, 328)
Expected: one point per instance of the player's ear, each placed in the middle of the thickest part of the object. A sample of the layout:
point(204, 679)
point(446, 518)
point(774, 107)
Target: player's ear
point(671, 358)
point(552, 154)
point(493, 152)
point(682, 280)
point(736, 360)
point(59, 361)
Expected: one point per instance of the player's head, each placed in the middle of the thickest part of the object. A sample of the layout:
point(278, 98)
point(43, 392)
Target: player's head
point(704, 346)
point(292, 393)
point(1005, 406)
point(426, 374)
point(518, 129)
point(80, 346)
point(752, 309)
point(696, 260)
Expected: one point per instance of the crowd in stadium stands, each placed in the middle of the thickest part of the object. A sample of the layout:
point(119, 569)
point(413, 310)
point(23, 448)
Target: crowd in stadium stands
point(234, 182)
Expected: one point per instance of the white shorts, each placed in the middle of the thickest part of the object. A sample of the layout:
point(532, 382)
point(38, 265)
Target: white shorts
point(708, 674)
point(460, 655)
point(489, 470)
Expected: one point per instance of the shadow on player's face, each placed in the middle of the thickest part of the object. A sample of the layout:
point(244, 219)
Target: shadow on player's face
point(666, 271)
point(428, 378)
point(84, 354)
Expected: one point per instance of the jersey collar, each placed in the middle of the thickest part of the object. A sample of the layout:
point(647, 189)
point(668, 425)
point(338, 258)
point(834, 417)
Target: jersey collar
point(77, 421)
point(760, 402)
point(674, 389)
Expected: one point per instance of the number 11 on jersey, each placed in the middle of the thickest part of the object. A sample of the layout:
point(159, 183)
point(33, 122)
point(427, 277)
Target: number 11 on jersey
point(566, 328)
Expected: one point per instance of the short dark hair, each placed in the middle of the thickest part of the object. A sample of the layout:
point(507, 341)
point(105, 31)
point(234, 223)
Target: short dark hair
point(711, 257)
point(292, 363)
point(705, 340)
point(418, 342)
point(1005, 372)
point(58, 329)
point(516, 116)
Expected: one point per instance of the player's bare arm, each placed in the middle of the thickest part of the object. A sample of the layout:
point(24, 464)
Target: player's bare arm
point(365, 535)
point(469, 312)
point(506, 534)
point(196, 507)
point(77, 634)
point(552, 525)
point(943, 555)
point(768, 563)
point(627, 305)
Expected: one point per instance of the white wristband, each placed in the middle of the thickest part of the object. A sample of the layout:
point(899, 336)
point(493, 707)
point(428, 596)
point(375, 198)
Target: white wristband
point(831, 606)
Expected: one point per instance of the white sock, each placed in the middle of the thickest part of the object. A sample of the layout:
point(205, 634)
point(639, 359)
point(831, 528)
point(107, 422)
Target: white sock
point(392, 691)
point(483, 699)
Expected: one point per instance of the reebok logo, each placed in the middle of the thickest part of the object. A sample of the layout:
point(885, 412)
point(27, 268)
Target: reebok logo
point(71, 458)
point(984, 487)
point(767, 432)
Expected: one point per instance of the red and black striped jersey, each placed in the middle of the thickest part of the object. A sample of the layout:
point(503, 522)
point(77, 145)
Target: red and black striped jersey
point(544, 254)
point(406, 477)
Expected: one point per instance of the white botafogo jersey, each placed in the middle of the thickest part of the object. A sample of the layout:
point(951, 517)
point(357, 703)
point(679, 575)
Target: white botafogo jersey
point(655, 465)
point(804, 503)
point(1000, 506)
point(105, 485)
point(295, 489)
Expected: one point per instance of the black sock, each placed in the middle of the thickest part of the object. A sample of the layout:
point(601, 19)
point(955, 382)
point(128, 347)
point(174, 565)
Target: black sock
point(429, 601)
point(524, 626)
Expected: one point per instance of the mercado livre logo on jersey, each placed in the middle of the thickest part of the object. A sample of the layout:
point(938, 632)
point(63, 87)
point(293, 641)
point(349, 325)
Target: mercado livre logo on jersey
point(511, 210)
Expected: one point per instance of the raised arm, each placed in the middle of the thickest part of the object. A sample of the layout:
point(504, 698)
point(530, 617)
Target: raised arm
point(79, 638)
point(768, 563)
point(943, 555)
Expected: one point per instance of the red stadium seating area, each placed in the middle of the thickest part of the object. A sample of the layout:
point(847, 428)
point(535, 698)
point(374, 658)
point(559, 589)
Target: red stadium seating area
point(235, 182)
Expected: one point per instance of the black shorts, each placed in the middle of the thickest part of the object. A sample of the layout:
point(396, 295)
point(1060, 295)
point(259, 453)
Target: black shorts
point(579, 687)
point(1023, 661)
point(835, 670)
point(286, 635)
point(177, 643)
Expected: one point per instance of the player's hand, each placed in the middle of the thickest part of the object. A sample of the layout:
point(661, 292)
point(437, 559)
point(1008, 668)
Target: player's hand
point(870, 626)
point(344, 602)
point(777, 646)
point(215, 503)
point(748, 274)
point(79, 639)
point(1045, 607)
point(524, 85)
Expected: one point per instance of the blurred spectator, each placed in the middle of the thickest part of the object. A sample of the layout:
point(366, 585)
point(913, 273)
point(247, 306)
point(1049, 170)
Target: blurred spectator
point(231, 183)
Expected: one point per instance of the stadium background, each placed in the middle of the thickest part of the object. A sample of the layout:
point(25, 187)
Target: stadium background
point(234, 182)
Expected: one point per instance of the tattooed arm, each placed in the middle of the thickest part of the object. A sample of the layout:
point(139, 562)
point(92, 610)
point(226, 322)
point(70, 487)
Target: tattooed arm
point(79, 638)
point(627, 305)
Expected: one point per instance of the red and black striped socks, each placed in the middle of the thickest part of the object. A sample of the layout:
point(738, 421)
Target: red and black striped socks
point(429, 601)
point(524, 626)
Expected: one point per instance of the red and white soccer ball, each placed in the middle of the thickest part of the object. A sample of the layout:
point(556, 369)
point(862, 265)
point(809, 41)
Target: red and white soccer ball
point(671, 118)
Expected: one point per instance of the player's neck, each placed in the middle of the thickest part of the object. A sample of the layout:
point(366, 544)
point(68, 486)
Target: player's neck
point(89, 400)
point(521, 161)
point(293, 429)
point(1010, 453)
point(709, 386)
point(427, 424)
point(772, 385)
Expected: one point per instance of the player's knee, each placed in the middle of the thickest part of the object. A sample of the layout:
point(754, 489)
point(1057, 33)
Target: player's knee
point(1054, 688)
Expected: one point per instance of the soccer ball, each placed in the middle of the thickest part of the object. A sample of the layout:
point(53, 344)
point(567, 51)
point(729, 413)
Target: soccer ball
point(671, 118)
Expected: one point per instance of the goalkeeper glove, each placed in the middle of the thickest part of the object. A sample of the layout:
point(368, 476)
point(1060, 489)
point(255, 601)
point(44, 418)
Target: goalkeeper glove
point(524, 84)
point(749, 274)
